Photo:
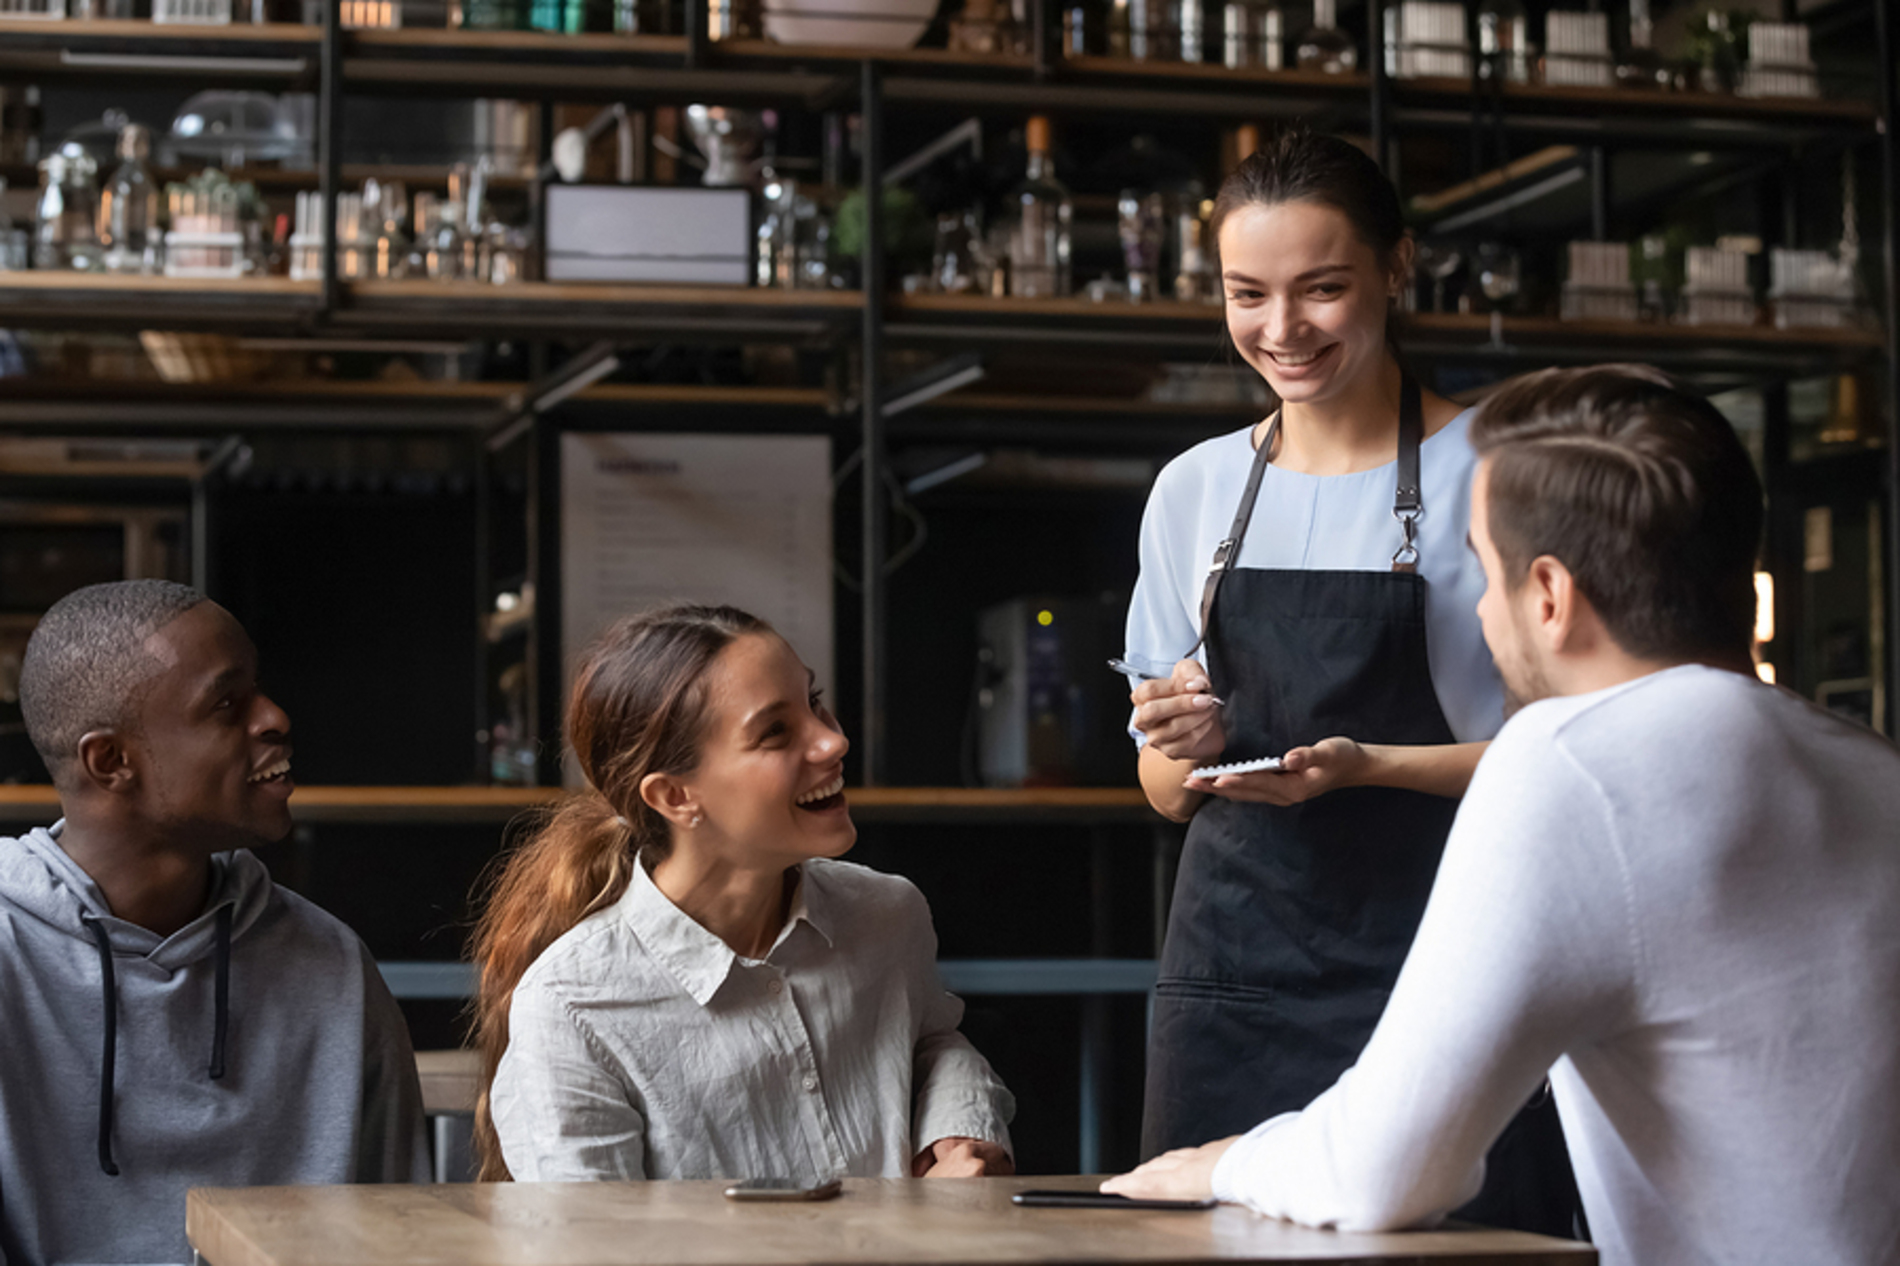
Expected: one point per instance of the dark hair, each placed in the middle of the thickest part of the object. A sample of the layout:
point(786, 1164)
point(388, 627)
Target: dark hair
point(86, 663)
point(1300, 165)
point(638, 707)
point(1640, 489)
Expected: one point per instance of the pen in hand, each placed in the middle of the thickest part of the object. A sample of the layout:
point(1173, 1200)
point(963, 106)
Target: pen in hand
point(1127, 669)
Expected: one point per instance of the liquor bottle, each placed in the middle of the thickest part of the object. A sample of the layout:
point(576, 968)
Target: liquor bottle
point(1040, 217)
point(1641, 66)
point(1504, 52)
point(1325, 47)
point(128, 209)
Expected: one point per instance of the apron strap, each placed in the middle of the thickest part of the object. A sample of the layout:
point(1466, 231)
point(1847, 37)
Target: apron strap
point(1407, 504)
point(1407, 501)
point(1229, 549)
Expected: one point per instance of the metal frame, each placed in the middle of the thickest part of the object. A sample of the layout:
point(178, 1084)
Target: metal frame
point(693, 65)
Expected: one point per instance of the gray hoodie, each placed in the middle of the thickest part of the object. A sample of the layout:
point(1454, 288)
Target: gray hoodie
point(255, 1046)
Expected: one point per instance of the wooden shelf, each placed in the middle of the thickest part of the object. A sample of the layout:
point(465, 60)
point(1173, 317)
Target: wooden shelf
point(77, 29)
point(40, 804)
point(1823, 110)
point(531, 42)
point(1602, 333)
point(1204, 73)
point(1070, 308)
point(910, 59)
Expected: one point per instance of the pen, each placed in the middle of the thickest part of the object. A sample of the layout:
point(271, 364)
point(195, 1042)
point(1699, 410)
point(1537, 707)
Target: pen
point(1128, 669)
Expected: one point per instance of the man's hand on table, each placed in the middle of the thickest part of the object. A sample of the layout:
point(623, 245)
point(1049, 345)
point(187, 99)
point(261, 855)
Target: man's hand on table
point(1185, 1174)
point(962, 1158)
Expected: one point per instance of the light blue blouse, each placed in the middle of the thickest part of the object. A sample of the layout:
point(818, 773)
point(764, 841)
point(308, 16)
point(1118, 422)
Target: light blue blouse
point(1320, 523)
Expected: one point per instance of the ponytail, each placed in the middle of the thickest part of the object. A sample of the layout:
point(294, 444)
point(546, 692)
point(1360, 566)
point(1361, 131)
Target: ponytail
point(638, 708)
point(579, 861)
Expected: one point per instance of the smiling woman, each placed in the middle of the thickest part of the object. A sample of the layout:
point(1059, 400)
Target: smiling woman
point(678, 978)
point(1336, 625)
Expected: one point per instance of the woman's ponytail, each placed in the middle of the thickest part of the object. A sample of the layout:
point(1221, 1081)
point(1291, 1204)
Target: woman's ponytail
point(638, 708)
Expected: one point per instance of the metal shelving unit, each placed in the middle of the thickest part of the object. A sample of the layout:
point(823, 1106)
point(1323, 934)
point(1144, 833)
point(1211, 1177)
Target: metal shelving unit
point(610, 68)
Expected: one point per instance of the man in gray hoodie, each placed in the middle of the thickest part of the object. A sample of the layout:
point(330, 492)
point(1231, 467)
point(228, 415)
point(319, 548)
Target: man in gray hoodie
point(172, 1019)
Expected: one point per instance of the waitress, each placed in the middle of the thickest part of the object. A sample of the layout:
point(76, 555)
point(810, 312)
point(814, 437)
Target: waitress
point(1307, 592)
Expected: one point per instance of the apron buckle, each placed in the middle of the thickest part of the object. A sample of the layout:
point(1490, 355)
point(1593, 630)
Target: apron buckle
point(1406, 557)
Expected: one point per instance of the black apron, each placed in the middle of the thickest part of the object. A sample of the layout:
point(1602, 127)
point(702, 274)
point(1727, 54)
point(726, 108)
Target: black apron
point(1289, 925)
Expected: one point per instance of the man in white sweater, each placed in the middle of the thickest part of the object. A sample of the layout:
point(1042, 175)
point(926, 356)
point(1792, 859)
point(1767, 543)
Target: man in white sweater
point(1672, 889)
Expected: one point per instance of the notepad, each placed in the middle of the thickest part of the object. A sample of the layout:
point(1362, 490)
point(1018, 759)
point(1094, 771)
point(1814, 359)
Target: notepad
point(1239, 767)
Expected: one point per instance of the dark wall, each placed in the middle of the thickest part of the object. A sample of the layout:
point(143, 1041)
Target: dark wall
point(361, 598)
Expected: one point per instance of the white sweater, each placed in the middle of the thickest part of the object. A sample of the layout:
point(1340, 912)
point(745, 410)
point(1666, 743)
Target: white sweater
point(1681, 896)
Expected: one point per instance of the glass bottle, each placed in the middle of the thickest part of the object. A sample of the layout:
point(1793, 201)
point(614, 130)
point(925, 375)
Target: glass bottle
point(1120, 29)
point(1641, 66)
point(443, 249)
point(1504, 47)
point(1040, 217)
point(1141, 226)
point(65, 231)
point(128, 209)
point(1326, 48)
point(12, 249)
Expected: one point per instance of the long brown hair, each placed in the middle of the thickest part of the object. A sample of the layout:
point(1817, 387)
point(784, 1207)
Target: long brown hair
point(638, 707)
point(1301, 165)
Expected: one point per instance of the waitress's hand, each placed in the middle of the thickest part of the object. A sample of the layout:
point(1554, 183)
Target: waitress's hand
point(1306, 772)
point(1179, 716)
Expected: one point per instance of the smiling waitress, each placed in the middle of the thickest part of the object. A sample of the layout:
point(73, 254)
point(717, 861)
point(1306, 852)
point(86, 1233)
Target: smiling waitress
point(1306, 591)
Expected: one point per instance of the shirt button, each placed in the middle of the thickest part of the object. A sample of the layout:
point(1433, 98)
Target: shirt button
point(811, 1082)
point(777, 986)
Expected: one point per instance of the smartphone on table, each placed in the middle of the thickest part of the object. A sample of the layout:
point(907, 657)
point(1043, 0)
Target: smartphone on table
point(782, 1189)
point(1102, 1200)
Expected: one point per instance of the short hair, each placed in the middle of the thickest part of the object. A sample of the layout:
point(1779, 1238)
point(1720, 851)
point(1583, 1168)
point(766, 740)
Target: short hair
point(1641, 489)
point(86, 663)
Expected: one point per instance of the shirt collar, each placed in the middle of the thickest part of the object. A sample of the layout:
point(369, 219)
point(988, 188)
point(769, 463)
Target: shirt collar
point(697, 959)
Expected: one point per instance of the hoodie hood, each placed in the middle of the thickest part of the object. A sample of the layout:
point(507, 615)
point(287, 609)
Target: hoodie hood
point(47, 885)
point(43, 883)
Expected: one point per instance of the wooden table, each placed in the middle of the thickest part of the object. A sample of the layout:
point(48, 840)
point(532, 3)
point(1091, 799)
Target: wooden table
point(876, 1222)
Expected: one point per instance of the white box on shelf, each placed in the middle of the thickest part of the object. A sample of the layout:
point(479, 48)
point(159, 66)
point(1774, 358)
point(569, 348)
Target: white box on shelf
point(1599, 286)
point(641, 233)
point(359, 15)
point(1706, 308)
point(1810, 289)
point(1710, 268)
point(192, 12)
point(1427, 39)
point(1778, 62)
point(1577, 49)
point(204, 254)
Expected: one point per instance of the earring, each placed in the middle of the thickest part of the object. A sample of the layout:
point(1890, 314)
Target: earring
point(697, 819)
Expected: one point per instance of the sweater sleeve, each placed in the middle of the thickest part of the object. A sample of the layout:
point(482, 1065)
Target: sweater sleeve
point(392, 1145)
point(561, 1111)
point(1526, 951)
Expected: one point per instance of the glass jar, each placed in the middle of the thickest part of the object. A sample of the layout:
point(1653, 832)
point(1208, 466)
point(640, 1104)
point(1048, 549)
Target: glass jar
point(1324, 47)
point(65, 234)
point(443, 249)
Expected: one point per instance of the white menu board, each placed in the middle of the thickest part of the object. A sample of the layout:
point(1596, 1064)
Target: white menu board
point(741, 520)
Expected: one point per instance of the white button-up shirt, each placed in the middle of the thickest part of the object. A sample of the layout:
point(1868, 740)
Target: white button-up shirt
point(641, 1046)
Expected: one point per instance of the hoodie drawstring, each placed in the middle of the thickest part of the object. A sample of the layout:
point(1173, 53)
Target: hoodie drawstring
point(112, 1043)
point(222, 1013)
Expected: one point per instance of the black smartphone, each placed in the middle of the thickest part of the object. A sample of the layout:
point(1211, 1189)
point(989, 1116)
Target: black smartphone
point(782, 1189)
point(1102, 1200)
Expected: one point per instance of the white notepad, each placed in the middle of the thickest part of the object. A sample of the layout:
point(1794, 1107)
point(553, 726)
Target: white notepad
point(1238, 767)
